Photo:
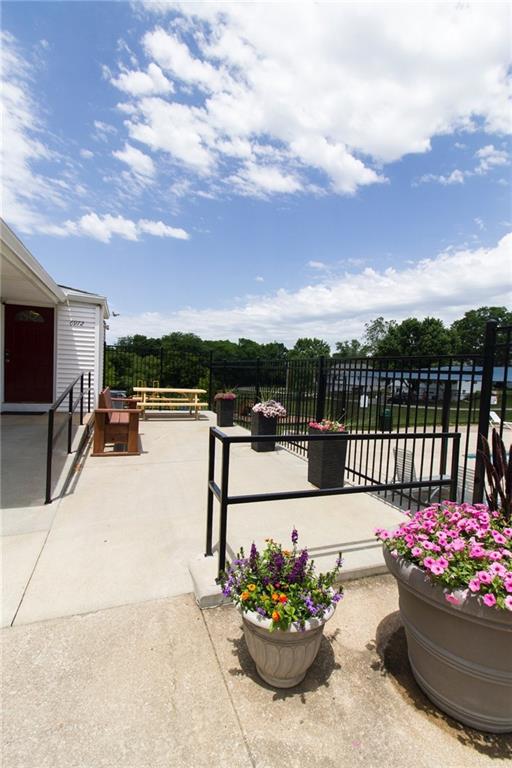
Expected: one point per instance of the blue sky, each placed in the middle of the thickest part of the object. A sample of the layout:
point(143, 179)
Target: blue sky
point(268, 171)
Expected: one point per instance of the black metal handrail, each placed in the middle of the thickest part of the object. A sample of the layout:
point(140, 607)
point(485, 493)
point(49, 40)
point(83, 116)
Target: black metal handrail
point(52, 435)
point(221, 493)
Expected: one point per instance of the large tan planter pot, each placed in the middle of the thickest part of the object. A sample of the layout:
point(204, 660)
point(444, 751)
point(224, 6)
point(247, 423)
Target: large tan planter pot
point(282, 658)
point(460, 655)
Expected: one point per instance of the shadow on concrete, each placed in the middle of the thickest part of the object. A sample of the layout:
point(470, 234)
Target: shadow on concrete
point(391, 646)
point(317, 676)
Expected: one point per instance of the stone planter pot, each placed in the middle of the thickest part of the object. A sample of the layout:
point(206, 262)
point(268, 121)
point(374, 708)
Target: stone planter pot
point(326, 461)
point(282, 658)
point(261, 425)
point(461, 654)
point(225, 408)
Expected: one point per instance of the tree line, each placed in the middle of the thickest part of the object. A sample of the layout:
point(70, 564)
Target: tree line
point(428, 337)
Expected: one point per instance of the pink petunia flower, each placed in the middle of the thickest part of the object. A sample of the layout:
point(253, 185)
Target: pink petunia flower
point(451, 598)
point(497, 569)
point(474, 585)
point(416, 551)
point(437, 569)
point(485, 578)
point(498, 537)
point(508, 602)
point(489, 600)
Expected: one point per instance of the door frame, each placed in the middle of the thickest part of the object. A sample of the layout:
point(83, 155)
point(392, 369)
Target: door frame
point(4, 406)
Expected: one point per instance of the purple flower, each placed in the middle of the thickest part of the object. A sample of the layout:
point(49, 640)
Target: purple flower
point(277, 565)
point(295, 536)
point(297, 572)
point(253, 557)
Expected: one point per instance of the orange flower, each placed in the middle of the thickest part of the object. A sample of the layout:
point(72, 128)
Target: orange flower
point(245, 595)
point(276, 616)
point(283, 598)
point(275, 597)
point(286, 552)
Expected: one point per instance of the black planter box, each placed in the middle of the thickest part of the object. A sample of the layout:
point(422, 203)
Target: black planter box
point(225, 408)
point(261, 425)
point(326, 461)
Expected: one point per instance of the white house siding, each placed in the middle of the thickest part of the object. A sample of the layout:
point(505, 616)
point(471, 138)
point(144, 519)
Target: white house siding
point(79, 335)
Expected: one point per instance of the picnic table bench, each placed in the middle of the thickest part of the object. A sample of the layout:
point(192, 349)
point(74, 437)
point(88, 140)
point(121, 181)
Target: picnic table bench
point(155, 399)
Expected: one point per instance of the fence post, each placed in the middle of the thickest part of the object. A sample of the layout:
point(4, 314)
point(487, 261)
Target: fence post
point(49, 456)
point(321, 388)
point(70, 419)
point(485, 407)
point(209, 503)
point(257, 386)
point(224, 506)
point(445, 425)
point(81, 399)
point(210, 381)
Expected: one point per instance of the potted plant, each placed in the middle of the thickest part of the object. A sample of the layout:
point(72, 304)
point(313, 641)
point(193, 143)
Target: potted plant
point(224, 407)
point(284, 607)
point(264, 418)
point(326, 458)
point(453, 566)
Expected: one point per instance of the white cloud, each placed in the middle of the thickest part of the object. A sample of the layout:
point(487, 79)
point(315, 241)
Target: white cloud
point(259, 279)
point(490, 158)
point(455, 177)
point(24, 191)
point(86, 154)
point(103, 130)
point(260, 180)
point(137, 83)
point(176, 129)
point(139, 163)
point(103, 227)
point(444, 286)
point(159, 229)
point(317, 265)
point(479, 222)
point(356, 86)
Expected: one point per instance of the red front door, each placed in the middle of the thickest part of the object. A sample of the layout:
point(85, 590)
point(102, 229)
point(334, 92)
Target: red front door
point(28, 354)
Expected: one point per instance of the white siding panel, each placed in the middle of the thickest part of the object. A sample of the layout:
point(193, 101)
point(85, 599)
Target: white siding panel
point(77, 345)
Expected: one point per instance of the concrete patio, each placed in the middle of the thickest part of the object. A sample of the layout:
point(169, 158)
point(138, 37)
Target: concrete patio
point(127, 527)
point(107, 660)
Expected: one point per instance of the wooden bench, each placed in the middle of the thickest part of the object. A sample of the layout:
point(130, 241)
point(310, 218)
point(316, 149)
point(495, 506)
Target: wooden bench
point(118, 426)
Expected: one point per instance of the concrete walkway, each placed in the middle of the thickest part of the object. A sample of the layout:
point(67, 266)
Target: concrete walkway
point(128, 526)
point(163, 684)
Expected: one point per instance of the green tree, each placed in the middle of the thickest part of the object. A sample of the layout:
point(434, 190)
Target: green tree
point(468, 333)
point(305, 348)
point(352, 348)
point(427, 337)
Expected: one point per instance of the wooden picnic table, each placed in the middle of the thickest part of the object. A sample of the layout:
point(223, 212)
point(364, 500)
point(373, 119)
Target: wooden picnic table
point(156, 398)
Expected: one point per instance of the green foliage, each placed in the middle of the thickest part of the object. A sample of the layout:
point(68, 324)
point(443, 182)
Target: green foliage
point(308, 348)
point(468, 333)
point(352, 348)
point(416, 337)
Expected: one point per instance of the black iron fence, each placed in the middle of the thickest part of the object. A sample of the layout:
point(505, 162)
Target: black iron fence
point(391, 483)
point(406, 394)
